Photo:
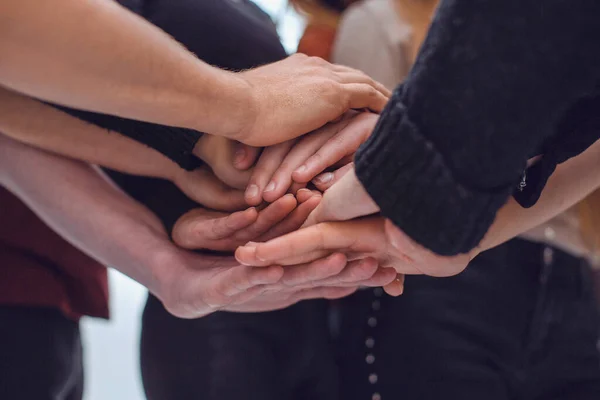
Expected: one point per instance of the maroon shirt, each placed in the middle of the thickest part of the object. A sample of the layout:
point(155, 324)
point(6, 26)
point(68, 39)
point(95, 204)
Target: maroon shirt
point(40, 269)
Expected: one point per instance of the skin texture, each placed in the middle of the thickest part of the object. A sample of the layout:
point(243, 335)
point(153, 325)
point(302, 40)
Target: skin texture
point(378, 238)
point(126, 66)
point(112, 228)
point(23, 118)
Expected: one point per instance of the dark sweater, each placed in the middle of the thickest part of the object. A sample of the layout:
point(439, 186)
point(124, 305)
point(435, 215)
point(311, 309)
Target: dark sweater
point(496, 82)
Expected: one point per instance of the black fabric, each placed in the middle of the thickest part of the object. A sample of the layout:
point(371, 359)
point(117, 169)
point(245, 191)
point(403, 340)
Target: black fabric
point(520, 323)
point(269, 356)
point(494, 83)
point(40, 355)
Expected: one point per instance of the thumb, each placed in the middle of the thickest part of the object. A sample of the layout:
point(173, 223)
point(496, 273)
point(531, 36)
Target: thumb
point(202, 186)
point(244, 156)
point(346, 199)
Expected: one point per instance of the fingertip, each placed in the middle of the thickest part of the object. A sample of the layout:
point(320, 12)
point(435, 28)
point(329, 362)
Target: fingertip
point(300, 175)
point(296, 187)
point(288, 201)
point(262, 255)
point(275, 193)
point(252, 195)
point(246, 255)
point(240, 219)
point(337, 262)
point(324, 179)
point(395, 288)
point(251, 211)
point(303, 194)
point(245, 156)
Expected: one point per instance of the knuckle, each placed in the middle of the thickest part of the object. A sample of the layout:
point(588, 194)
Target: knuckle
point(318, 61)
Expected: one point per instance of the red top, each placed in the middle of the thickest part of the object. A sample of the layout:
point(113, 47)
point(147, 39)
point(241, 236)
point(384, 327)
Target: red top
point(38, 268)
point(317, 41)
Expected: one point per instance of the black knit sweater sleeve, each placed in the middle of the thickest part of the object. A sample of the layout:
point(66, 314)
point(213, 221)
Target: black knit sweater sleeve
point(492, 83)
point(175, 143)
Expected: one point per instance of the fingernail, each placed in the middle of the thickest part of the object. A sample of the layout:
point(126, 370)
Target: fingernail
point(252, 191)
point(240, 154)
point(270, 187)
point(301, 169)
point(324, 178)
point(251, 244)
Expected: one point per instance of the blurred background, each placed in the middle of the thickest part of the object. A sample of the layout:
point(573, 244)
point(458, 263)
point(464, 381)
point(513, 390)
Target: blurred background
point(114, 374)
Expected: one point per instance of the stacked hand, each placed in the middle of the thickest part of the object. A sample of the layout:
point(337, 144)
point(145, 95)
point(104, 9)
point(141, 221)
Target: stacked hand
point(335, 251)
point(235, 287)
point(291, 165)
point(269, 286)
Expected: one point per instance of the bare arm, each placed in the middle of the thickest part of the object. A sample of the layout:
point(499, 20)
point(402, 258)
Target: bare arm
point(95, 55)
point(35, 123)
point(75, 201)
point(100, 220)
point(38, 124)
point(115, 61)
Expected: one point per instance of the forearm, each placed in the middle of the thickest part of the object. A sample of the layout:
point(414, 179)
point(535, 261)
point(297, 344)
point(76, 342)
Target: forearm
point(74, 200)
point(571, 183)
point(40, 125)
point(96, 55)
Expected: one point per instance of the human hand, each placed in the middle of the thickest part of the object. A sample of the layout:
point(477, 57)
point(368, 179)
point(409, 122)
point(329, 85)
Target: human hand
point(213, 230)
point(194, 285)
point(296, 162)
point(331, 277)
point(345, 198)
point(229, 160)
point(202, 186)
point(357, 239)
point(300, 94)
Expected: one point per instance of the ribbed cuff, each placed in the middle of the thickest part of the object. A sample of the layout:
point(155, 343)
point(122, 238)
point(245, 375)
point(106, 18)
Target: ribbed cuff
point(407, 177)
point(175, 143)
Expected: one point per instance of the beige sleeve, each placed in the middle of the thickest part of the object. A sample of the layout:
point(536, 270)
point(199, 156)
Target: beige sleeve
point(361, 43)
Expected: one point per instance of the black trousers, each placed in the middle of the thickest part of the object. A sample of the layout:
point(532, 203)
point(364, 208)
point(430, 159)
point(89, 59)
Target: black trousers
point(40, 355)
point(276, 355)
point(519, 323)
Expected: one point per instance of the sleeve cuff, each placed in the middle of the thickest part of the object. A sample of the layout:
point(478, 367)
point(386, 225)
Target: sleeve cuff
point(409, 180)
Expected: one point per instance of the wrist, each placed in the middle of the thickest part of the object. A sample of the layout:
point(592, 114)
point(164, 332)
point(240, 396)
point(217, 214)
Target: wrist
point(164, 265)
point(224, 104)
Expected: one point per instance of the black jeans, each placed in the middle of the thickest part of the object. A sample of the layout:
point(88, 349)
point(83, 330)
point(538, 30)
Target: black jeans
point(276, 355)
point(519, 323)
point(40, 355)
